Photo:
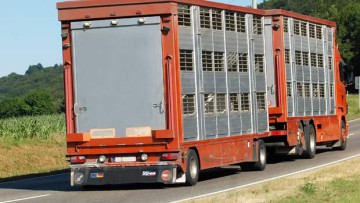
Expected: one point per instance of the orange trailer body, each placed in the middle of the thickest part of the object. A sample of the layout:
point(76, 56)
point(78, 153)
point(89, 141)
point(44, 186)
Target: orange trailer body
point(102, 155)
point(327, 126)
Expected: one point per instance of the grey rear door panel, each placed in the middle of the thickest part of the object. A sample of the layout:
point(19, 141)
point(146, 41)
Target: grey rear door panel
point(118, 75)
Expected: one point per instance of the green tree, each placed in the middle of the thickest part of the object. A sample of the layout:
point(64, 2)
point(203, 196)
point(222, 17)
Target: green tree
point(34, 69)
point(40, 103)
point(349, 30)
point(38, 78)
point(14, 107)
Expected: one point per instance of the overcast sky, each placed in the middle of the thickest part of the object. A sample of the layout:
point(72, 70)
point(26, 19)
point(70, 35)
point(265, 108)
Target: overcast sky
point(30, 34)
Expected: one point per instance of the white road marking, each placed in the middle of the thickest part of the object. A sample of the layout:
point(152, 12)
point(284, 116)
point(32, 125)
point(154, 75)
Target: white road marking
point(350, 135)
point(267, 180)
point(354, 120)
point(27, 198)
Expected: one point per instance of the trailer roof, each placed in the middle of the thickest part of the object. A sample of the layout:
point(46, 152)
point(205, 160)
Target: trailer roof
point(80, 4)
point(100, 3)
point(279, 12)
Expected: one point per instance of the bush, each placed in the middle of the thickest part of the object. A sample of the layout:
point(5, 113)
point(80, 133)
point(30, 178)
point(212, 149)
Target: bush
point(35, 103)
point(14, 107)
point(40, 103)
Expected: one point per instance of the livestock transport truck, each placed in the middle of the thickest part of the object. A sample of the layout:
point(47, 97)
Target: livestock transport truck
point(157, 90)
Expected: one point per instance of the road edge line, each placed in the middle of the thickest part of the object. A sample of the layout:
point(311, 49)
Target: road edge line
point(267, 180)
point(26, 198)
point(354, 120)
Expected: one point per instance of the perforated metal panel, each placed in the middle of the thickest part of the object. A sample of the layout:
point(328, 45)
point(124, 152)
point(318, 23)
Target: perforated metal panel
point(235, 124)
point(290, 106)
point(188, 82)
point(311, 62)
point(316, 106)
point(301, 106)
point(226, 62)
point(308, 107)
point(190, 128)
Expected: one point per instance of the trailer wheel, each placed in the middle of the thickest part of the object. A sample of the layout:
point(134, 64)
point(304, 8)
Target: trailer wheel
point(260, 164)
point(310, 142)
point(301, 139)
point(343, 139)
point(192, 168)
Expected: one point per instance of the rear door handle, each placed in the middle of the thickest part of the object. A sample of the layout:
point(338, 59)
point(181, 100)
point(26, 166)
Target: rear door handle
point(79, 109)
point(160, 106)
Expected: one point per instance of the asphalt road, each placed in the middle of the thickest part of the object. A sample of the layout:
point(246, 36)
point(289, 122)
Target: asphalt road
point(57, 188)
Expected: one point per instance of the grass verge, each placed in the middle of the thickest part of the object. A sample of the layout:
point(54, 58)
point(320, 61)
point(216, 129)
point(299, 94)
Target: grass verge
point(336, 183)
point(32, 145)
point(353, 104)
point(32, 156)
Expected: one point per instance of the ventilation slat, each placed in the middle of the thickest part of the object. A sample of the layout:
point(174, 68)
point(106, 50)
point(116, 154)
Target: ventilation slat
point(243, 62)
point(188, 105)
point(184, 16)
point(216, 19)
point(186, 60)
point(257, 25)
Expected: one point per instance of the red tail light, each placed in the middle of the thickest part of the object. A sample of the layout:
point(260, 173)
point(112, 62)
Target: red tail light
point(169, 157)
point(77, 159)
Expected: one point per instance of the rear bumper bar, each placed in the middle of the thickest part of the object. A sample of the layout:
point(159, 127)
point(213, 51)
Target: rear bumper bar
point(120, 175)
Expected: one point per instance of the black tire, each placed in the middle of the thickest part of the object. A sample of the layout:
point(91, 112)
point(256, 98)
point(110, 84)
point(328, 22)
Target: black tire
point(260, 164)
point(343, 143)
point(300, 147)
point(192, 168)
point(310, 142)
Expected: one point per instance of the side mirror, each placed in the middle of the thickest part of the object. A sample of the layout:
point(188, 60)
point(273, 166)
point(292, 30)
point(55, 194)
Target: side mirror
point(350, 75)
point(346, 73)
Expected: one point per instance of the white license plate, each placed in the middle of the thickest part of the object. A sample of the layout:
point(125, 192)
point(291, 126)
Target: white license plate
point(125, 159)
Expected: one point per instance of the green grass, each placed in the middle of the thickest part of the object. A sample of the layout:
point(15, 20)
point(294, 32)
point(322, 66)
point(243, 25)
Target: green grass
point(35, 144)
point(337, 190)
point(353, 103)
point(31, 127)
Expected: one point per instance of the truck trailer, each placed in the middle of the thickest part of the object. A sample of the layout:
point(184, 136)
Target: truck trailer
point(157, 90)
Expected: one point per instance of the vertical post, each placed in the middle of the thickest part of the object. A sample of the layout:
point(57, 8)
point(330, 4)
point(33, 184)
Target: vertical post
point(357, 86)
point(254, 4)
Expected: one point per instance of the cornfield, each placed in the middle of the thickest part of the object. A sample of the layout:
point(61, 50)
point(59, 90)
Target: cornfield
point(40, 127)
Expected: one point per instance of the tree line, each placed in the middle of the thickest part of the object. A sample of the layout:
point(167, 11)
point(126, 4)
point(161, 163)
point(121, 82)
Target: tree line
point(39, 91)
point(345, 13)
point(33, 104)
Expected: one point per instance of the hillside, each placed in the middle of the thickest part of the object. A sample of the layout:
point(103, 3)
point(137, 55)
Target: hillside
point(49, 79)
point(39, 91)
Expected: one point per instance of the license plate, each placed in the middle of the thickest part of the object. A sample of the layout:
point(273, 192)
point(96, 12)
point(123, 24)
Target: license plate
point(124, 159)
